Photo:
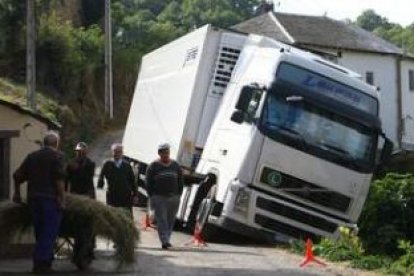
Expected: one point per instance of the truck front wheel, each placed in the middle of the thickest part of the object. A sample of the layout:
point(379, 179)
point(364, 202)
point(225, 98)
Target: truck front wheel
point(207, 230)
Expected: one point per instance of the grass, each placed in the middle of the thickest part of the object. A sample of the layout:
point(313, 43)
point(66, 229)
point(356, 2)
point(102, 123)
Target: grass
point(16, 94)
point(107, 222)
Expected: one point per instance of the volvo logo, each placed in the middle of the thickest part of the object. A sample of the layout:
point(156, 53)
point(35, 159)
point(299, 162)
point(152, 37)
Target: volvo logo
point(274, 178)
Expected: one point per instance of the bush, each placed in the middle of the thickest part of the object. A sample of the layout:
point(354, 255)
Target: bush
point(347, 247)
point(388, 215)
point(404, 265)
point(371, 262)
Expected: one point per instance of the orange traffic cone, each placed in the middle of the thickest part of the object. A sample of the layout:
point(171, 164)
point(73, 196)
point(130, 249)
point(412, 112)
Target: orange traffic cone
point(197, 238)
point(146, 222)
point(309, 257)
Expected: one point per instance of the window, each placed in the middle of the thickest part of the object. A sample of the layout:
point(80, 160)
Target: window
point(411, 80)
point(369, 77)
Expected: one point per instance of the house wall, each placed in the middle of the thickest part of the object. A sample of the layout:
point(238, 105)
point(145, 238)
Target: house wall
point(385, 77)
point(407, 105)
point(25, 143)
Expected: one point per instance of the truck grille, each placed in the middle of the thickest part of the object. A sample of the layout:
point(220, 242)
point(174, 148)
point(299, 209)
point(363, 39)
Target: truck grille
point(283, 228)
point(313, 193)
point(295, 215)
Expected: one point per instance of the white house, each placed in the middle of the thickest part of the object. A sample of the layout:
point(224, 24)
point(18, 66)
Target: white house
point(379, 62)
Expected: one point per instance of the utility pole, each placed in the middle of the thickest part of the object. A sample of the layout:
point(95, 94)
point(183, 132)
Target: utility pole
point(109, 109)
point(31, 55)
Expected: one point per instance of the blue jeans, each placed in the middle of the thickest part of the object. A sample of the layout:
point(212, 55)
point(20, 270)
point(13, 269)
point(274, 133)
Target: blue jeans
point(46, 221)
point(165, 210)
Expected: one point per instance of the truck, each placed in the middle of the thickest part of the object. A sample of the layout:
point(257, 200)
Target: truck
point(274, 142)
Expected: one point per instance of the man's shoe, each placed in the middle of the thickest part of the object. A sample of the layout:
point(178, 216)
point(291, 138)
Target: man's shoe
point(168, 244)
point(165, 246)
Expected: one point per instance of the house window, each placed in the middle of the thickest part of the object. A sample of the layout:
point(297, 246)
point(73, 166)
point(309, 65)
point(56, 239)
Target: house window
point(411, 80)
point(369, 77)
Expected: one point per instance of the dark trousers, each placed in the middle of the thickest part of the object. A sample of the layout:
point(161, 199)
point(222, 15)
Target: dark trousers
point(46, 220)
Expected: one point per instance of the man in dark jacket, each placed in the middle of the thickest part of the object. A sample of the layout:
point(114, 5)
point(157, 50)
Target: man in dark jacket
point(164, 186)
point(80, 172)
point(79, 178)
point(120, 179)
point(44, 172)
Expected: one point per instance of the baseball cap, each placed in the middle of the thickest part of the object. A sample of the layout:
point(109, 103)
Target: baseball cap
point(164, 146)
point(81, 146)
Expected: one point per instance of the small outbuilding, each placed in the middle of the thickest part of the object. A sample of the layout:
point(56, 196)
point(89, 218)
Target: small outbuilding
point(21, 132)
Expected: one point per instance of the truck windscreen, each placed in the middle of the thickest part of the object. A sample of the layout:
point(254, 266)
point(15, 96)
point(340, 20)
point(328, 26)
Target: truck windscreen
point(318, 84)
point(297, 122)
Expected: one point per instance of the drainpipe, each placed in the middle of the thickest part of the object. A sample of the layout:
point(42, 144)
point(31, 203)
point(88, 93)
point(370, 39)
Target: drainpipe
point(400, 122)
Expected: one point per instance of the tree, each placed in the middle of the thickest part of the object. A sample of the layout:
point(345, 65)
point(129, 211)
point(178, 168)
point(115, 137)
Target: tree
point(369, 21)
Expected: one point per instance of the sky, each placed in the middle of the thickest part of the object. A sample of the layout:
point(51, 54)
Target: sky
point(397, 11)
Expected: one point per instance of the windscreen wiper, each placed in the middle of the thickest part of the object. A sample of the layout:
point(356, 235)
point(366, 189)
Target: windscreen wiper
point(343, 152)
point(297, 134)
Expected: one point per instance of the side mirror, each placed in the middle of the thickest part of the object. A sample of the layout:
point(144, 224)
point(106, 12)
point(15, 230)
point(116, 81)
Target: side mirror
point(245, 97)
point(386, 150)
point(237, 116)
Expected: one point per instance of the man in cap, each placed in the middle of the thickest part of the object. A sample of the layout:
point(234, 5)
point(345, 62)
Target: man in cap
point(79, 178)
point(164, 181)
point(43, 170)
point(120, 179)
point(80, 172)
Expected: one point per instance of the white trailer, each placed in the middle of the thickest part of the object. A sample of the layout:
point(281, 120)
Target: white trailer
point(276, 142)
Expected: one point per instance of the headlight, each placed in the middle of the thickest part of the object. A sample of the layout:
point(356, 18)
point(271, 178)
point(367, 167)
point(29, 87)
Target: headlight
point(241, 202)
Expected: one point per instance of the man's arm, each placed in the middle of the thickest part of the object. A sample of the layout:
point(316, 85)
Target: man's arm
point(60, 193)
point(149, 179)
point(19, 176)
point(102, 175)
point(131, 180)
point(180, 179)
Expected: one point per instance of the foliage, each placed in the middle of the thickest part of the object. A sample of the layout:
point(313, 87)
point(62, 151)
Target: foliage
point(107, 222)
point(16, 94)
point(394, 33)
point(388, 214)
point(369, 20)
point(404, 265)
point(66, 53)
point(347, 247)
point(371, 262)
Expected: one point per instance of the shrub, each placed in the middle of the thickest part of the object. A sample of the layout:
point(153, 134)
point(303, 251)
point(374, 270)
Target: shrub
point(388, 215)
point(347, 247)
point(404, 265)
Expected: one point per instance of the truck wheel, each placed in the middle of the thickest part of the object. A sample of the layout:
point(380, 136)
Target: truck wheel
point(208, 231)
point(202, 192)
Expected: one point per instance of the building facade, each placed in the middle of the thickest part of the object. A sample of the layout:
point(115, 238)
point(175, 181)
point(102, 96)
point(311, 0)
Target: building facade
point(21, 132)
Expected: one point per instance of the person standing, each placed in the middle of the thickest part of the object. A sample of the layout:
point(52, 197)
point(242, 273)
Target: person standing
point(79, 178)
point(44, 172)
point(80, 173)
point(164, 179)
point(120, 179)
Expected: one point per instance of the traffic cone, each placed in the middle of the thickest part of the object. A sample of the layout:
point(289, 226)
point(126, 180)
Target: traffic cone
point(309, 257)
point(197, 238)
point(146, 222)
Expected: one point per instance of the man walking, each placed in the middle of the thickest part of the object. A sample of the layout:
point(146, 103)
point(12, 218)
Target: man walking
point(79, 178)
point(120, 179)
point(80, 172)
point(164, 186)
point(44, 172)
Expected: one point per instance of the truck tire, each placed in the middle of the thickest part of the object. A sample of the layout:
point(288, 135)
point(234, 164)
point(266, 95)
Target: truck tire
point(203, 189)
point(207, 230)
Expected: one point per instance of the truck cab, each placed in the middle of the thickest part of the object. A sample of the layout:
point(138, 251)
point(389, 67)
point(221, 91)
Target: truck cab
point(293, 147)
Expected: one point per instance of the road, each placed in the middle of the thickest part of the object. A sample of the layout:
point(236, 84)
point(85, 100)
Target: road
point(241, 257)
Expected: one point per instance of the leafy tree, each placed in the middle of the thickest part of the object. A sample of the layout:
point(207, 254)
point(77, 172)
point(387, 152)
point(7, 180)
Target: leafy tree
point(369, 21)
